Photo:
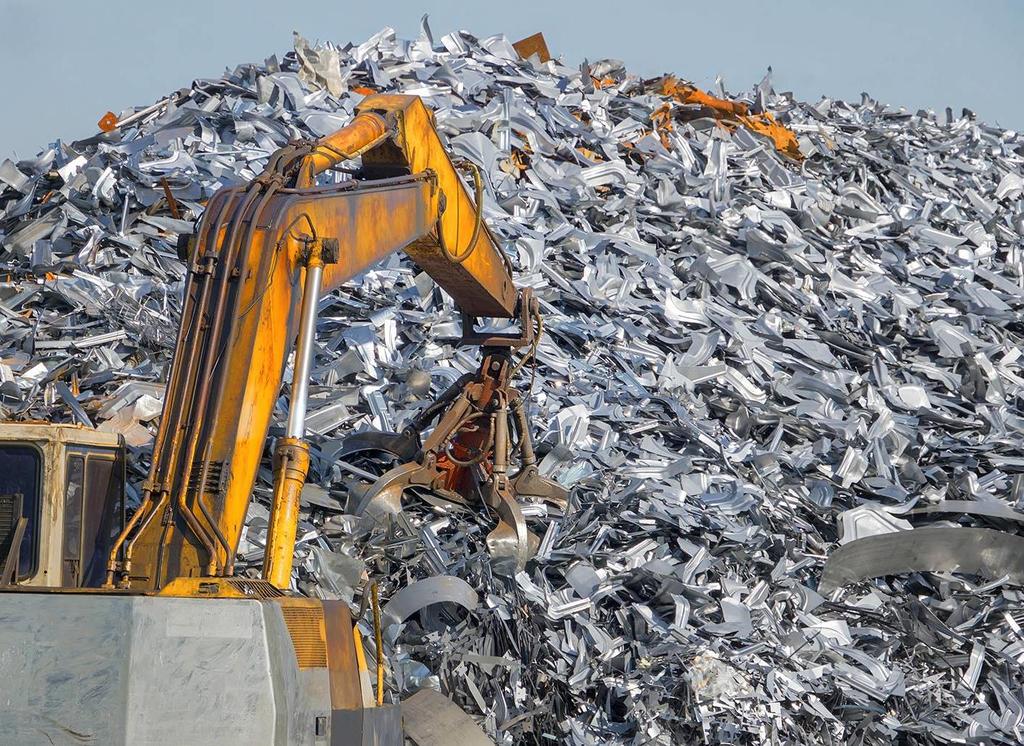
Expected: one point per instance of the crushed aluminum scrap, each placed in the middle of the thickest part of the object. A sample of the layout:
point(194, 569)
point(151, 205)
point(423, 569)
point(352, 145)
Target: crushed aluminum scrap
point(741, 345)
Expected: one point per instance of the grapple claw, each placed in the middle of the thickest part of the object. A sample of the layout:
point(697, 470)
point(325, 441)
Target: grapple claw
point(384, 497)
point(528, 482)
point(509, 542)
point(466, 457)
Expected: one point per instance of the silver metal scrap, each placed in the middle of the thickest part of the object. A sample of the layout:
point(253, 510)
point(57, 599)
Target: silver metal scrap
point(739, 349)
point(423, 593)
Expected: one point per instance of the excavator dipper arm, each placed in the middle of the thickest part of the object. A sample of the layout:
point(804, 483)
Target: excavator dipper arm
point(262, 255)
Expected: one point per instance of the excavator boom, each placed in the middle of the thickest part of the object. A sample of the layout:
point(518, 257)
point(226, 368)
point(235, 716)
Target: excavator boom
point(254, 251)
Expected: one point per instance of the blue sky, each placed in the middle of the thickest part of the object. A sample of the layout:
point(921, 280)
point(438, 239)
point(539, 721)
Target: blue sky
point(63, 64)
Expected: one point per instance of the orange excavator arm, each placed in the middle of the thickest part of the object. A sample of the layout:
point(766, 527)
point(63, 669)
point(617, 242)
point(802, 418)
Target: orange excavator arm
point(262, 255)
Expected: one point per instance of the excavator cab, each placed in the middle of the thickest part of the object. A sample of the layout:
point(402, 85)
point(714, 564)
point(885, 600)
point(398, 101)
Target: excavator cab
point(61, 504)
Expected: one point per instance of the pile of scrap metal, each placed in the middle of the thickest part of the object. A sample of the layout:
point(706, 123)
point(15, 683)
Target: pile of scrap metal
point(779, 337)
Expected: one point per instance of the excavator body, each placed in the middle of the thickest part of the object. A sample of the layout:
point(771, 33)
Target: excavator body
point(226, 661)
point(134, 668)
point(140, 631)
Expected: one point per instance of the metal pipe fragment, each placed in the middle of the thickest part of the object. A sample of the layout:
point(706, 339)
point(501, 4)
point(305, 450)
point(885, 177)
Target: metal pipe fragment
point(379, 642)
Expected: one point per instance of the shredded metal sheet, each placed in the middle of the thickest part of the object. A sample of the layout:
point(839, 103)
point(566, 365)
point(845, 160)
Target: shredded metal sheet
point(439, 589)
point(740, 348)
point(978, 551)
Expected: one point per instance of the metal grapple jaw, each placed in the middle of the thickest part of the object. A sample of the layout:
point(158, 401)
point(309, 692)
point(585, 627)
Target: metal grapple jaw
point(481, 433)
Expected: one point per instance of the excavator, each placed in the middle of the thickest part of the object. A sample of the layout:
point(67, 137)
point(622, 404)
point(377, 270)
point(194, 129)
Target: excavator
point(138, 630)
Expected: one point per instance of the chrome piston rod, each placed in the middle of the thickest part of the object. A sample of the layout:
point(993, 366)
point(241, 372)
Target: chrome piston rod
point(304, 352)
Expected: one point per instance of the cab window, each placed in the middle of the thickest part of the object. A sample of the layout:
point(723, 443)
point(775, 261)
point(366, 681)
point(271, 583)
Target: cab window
point(21, 467)
point(93, 515)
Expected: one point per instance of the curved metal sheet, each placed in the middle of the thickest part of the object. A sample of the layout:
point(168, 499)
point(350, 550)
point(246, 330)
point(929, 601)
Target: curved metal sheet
point(423, 593)
point(977, 551)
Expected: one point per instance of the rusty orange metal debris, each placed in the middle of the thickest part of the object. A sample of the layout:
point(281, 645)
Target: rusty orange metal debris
point(516, 163)
point(782, 136)
point(729, 114)
point(662, 119)
point(172, 203)
point(107, 122)
point(533, 45)
point(685, 93)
